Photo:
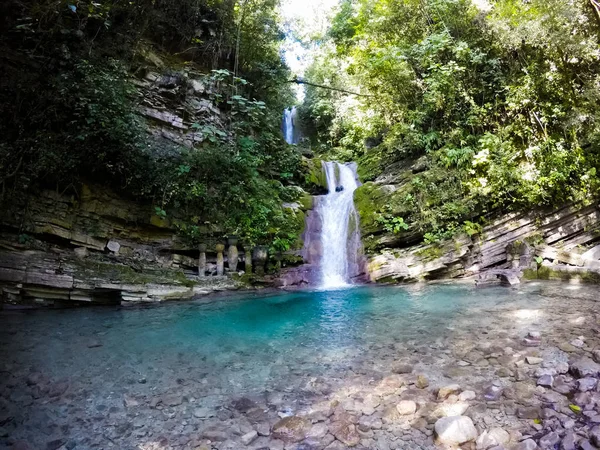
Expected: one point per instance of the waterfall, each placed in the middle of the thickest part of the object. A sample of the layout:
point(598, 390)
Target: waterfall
point(340, 238)
point(289, 125)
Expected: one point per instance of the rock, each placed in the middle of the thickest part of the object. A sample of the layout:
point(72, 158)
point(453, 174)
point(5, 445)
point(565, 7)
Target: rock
point(129, 401)
point(455, 430)
point(345, 432)
point(215, 435)
point(577, 343)
point(532, 360)
point(318, 431)
point(569, 442)
point(545, 380)
point(596, 355)
point(594, 435)
point(586, 384)
point(585, 367)
point(249, 437)
point(113, 246)
point(202, 413)
point(585, 445)
point(94, 344)
point(492, 438)
point(493, 393)
point(290, 429)
point(406, 407)
point(422, 382)
point(446, 391)
point(81, 252)
point(451, 409)
point(528, 444)
point(55, 444)
point(172, 400)
point(532, 412)
point(466, 396)
point(549, 440)
point(402, 368)
point(534, 335)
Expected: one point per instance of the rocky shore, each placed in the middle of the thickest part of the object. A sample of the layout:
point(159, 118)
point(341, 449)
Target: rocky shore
point(520, 375)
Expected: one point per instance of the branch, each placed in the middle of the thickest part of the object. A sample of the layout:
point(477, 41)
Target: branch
point(301, 81)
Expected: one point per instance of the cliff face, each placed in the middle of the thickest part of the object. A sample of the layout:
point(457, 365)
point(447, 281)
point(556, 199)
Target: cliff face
point(560, 243)
point(98, 248)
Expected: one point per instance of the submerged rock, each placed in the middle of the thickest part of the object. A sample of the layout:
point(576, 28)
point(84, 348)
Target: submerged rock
point(291, 429)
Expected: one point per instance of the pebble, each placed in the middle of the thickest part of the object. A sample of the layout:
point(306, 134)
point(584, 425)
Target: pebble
point(533, 360)
point(406, 407)
point(249, 437)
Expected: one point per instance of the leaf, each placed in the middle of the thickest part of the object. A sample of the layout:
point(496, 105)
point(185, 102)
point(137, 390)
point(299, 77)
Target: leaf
point(576, 409)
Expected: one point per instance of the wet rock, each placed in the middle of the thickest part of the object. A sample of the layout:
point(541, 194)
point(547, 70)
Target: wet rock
point(243, 404)
point(545, 380)
point(290, 429)
point(455, 430)
point(586, 384)
point(594, 435)
point(171, 400)
point(406, 407)
point(345, 432)
point(532, 412)
point(402, 368)
point(422, 382)
point(445, 391)
point(263, 429)
point(492, 393)
point(569, 442)
point(249, 437)
point(549, 440)
point(55, 444)
point(215, 435)
point(533, 360)
point(466, 396)
point(94, 344)
point(202, 413)
point(585, 367)
point(318, 431)
point(528, 444)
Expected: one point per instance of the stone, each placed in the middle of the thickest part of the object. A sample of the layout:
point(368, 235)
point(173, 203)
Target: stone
point(345, 432)
point(422, 382)
point(249, 437)
point(445, 391)
point(81, 252)
point(585, 367)
point(466, 396)
point(528, 444)
point(290, 429)
point(594, 435)
point(569, 442)
point(202, 413)
point(449, 409)
point(585, 445)
point(220, 260)
point(531, 412)
point(586, 384)
point(492, 438)
point(318, 430)
point(455, 430)
point(402, 368)
point(549, 440)
point(113, 246)
point(215, 435)
point(406, 407)
point(545, 380)
point(493, 393)
point(533, 360)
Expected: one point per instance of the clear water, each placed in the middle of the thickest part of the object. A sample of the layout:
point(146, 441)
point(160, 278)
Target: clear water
point(254, 345)
point(337, 212)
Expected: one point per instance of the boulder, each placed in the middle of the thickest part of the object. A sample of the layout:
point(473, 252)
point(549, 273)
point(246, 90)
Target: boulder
point(291, 429)
point(455, 430)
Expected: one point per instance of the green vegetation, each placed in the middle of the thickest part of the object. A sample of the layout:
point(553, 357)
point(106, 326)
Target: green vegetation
point(71, 96)
point(495, 107)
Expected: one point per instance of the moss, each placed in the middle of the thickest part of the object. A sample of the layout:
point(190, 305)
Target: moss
point(431, 252)
point(530, 274)
point(315, 178)
point(543, 273)
point(306, 201)
point(369, 199)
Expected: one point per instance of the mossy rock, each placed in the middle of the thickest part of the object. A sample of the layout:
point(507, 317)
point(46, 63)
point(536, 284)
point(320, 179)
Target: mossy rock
point(306, 201)
point(315, 178)
point(369, 199)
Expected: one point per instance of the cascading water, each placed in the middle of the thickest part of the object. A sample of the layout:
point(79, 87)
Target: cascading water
point(289, 125)
point(340, 238)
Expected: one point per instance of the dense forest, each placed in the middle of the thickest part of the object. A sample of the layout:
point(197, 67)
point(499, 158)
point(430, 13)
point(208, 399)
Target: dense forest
point(497, 102)
point(494, 103)
point(69, 102)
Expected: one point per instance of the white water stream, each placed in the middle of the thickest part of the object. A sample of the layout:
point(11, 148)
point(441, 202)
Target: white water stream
point(340, 235)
